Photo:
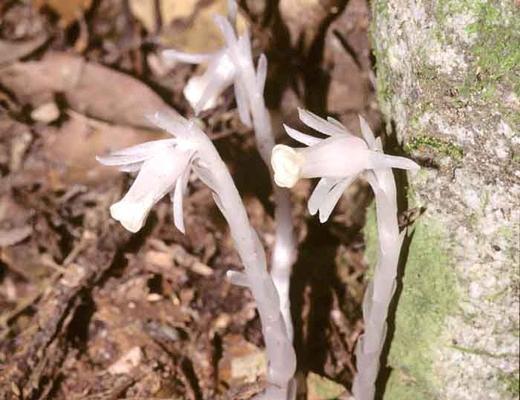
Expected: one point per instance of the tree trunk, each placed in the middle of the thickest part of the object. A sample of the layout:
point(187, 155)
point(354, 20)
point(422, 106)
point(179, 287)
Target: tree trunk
point(448, 75)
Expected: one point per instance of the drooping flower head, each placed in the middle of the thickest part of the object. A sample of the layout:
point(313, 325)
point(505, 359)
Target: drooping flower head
point(223, 69)
point(163, 167)
point(337, 159)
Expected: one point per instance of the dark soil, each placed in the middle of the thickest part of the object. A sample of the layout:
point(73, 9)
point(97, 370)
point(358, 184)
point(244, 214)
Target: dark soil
point(77, 292)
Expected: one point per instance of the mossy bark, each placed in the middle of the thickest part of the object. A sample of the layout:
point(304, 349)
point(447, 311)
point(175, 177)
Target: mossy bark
point(448, 76)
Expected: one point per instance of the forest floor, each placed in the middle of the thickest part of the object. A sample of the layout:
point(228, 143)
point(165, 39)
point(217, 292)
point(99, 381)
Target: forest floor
point(89, 311)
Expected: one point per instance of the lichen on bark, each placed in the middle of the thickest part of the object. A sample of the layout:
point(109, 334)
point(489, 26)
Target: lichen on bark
point(448, 75)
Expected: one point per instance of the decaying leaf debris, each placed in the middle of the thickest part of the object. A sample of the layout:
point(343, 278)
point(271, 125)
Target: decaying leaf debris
point(90, 312)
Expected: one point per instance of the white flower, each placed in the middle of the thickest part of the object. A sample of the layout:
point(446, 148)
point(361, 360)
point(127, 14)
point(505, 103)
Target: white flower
point(163, 167)
point(338, 160)
point(224, 68)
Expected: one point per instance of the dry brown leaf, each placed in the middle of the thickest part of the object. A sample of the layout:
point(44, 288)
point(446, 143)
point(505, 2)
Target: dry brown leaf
point(242, 362)
point(145, 11)
point(201, 35)
point(68, 10)
point(171, 10)
point(349, 87)
point(8, 237)
point(321, 388)
point(74, 146)
point(12, 51)
point(305, 17)
point(127, 362)
point(90, 89)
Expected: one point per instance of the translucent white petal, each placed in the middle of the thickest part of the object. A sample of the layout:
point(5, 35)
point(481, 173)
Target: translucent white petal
point(380, 160)
point(226, 29)
point(301, 137)
point(367, 133)
point(223, 68)
point(333, 197)
point(339, 125)
point(335, 157)
point(244, 46)
point(232, 11)
point(131, 215)
point(135, 154)
point(156, 178)
point(189, 58)
point(261, 73)
point(177, 198)
point(320, 191)
point(171, 122)
point(131, 167)
point(209, 95)
point(320, 124)
point(218, 76)
point(205, 175)
point(242, 104)
point(194, 90)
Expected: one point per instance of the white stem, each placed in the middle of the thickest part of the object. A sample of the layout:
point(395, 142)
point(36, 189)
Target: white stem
point(280, 353)
point(284, 252)
point(380, 291)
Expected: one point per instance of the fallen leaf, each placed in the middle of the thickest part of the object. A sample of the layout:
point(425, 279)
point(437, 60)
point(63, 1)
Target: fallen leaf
point(12, 51)
point(129, 361)
point(8, 237)
point(171, 10)
point(73, 148)
point(321, 388)
point(90, 88)
point(242, 362)
point(68, 10)
point(201, 34)
point(145, 12)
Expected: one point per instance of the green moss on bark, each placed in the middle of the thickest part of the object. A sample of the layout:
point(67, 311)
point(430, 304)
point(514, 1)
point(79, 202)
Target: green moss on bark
point(428, 296)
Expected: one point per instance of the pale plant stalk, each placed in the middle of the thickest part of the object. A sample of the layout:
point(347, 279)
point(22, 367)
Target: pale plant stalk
point(280, 352)
point(233, 65)
point(164, 167)
point(338, 160)
point(284, 251)
point(380, 291)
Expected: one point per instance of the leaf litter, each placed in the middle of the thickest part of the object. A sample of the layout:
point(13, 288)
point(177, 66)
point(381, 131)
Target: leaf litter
point(89, 311)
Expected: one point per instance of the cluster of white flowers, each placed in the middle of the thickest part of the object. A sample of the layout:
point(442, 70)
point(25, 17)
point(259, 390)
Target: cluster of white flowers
point(223, 69)
point(233, 65)
point(337, 159)
point(164, 166)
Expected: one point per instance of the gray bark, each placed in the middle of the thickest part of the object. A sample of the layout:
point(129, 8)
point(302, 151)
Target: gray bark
point(448, 77)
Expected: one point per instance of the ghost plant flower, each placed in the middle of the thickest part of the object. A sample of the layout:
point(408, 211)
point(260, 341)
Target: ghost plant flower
point(223, 69)
point(233, 65)
point(380, 291)
point(337, 159)
point(163, 167)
